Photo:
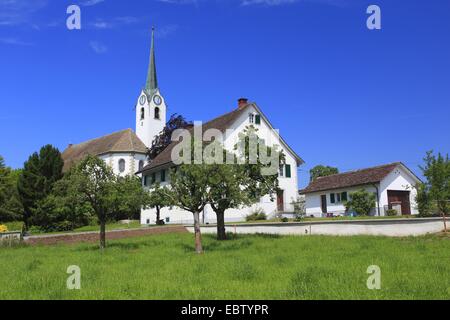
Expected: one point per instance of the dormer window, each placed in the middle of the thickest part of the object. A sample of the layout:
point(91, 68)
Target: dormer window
point(156, 113)
point(142, 113)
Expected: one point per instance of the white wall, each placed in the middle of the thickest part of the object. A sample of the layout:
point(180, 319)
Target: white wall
point(131, 162)
point(150, 127)
point(399, 179)
point(313, 202)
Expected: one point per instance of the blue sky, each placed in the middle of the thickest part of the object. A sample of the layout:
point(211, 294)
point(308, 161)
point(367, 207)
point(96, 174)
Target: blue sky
point(340, 94)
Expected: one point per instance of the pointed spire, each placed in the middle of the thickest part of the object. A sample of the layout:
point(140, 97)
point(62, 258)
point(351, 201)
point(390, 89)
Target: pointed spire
point(152, 81)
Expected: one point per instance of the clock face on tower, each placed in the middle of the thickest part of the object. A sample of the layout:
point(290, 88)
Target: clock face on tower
point(157, 100)
point(142, 100)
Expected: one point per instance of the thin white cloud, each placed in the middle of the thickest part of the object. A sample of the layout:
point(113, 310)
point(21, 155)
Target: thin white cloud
point(127, 19)
point(114, 22)
point(165, 31)
point(14, 12)
point(14, 42)
point(98, 47)
point(195, 2)
point(266, 2)
point(102, 25)
point(90, 3)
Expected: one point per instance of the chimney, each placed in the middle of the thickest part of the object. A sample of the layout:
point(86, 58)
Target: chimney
point(242, 102)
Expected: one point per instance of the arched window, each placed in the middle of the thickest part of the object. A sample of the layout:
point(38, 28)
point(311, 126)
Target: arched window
point(156, 113)
point(121, 165)
point(141, 165)
point(142, 113)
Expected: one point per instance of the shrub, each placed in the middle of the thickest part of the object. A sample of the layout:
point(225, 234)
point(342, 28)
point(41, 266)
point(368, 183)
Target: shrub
point(361, 202)
point(257, 214)
point(299, 208)
point(3, 228)
point(391, 212)
point(284, 219)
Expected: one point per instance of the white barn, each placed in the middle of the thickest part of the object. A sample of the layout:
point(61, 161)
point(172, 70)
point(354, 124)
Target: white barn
point(393, 185)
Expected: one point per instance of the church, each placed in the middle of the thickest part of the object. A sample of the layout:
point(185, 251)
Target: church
point(125, 152)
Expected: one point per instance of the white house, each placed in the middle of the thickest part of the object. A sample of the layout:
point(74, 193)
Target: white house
point(393, 185)
point(230, 124)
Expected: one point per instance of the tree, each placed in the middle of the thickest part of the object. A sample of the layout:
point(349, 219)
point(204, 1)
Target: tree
point(189, 190)
point(10, 205)
point(158, 199)
point(37, 178)
point(165, 137)
point(225, 191)
point(322, 171)
point(243, 182)
point(435, 192)
point(92, 185)
point(132, 197)
point(361, 202)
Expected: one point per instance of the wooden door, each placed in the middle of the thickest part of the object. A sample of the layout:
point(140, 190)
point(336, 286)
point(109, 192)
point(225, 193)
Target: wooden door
point(402, 197)
point(280, 200)
point(323, 200)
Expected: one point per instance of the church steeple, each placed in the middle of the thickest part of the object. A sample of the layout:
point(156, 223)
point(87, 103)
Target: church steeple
point(152, 81)
point(151, 107)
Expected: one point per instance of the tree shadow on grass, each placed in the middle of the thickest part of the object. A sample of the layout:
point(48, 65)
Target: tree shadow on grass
point(211, 244)
point(123, 245)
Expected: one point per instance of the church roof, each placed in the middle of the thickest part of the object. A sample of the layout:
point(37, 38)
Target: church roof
point(121, 141)
point(221, 123)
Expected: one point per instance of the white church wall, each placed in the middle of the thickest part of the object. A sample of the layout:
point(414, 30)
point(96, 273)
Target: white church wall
point(131, 162)
point(149, 127)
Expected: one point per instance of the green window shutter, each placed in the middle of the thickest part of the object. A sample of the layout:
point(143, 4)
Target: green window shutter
point(257, 119)
point(332, 198)
point(288, 171)
point(344, 196)
point(163, 175)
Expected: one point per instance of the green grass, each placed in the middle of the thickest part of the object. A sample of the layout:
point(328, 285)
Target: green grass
point(249, 267)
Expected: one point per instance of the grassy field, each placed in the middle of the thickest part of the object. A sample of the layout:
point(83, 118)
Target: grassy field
point(249, 267)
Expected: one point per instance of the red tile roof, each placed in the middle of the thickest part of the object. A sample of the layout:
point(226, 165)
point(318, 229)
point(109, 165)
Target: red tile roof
point(352, 178)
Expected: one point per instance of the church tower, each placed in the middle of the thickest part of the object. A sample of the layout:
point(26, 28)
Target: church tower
point(150, 107)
